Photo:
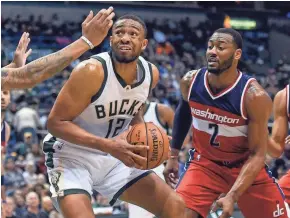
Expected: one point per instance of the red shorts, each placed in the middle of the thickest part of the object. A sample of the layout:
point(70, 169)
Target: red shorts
point(204, 181)
point(284, 183)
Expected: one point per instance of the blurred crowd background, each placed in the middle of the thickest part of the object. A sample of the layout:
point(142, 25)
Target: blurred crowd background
point(177, 33)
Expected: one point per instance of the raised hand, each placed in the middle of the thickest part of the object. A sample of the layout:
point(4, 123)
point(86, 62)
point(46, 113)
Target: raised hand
point(95, 28)
point(21, 54)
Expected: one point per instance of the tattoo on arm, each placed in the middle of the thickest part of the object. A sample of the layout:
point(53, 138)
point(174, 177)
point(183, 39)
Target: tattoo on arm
point(4, 73)
point(36, 71)
point(11, 65)
point(255, 89)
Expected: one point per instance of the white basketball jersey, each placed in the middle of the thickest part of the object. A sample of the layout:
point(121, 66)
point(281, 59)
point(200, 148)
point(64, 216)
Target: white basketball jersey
point(116, 103)
point(151, 115)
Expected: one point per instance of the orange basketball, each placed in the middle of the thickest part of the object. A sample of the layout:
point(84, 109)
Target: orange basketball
point(153, 136)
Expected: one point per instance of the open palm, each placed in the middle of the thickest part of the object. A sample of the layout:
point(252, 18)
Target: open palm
point(21, 54)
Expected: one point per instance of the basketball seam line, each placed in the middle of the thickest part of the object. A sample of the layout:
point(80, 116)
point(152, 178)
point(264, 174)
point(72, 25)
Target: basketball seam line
point(147, 144)
point(131, 134)
point(162, 149)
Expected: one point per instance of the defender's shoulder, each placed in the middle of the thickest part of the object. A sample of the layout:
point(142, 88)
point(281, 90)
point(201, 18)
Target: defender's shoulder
point(255, 91)
point(257, 100)
point(185, 83)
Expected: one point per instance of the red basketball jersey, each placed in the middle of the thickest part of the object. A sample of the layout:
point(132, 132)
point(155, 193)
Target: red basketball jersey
point(219, 124)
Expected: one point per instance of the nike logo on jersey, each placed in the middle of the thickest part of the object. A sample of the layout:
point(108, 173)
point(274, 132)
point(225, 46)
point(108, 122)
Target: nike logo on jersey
point(119, 107)
point(208, 115)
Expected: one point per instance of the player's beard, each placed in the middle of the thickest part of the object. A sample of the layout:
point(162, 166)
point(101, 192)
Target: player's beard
point(226, 65)
point(123, 59)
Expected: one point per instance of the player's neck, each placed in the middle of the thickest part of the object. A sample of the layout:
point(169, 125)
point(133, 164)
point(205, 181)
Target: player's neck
point(223, 80)
point(128, 71)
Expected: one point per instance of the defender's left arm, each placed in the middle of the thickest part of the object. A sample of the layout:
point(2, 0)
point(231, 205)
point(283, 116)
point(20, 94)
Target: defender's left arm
point(155, 78)
point(258, 107)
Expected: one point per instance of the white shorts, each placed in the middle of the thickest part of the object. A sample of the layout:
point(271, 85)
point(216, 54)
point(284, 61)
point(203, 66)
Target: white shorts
point(73, 170)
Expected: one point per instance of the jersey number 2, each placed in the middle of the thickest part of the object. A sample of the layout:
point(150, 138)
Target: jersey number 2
point(214, 135)
point(119, 125)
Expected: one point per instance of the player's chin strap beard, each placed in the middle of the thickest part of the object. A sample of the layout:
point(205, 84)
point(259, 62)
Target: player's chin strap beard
point(114, 57)
point(221, 70)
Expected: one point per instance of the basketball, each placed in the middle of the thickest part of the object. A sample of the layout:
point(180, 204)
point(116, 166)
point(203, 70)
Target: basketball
point(153, 136)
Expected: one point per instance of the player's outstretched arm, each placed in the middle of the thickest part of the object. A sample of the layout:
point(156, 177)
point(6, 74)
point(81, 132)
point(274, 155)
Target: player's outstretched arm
point(94, 28)
point(276, 142)
point(258, 107)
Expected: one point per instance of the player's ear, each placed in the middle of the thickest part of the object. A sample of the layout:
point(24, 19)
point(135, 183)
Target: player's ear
point(238, 54)
point(144, 44)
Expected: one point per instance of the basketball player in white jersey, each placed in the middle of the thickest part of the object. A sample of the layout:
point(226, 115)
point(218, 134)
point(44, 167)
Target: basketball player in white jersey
point(162, 116)
point(102, 97)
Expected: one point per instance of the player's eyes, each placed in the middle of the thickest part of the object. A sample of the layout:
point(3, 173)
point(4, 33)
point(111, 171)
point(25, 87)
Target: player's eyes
point(134, 34)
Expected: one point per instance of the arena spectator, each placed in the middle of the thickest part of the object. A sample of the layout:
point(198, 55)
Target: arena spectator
point(26, 123)
point(47, 207)
point(13, 176)
point(10, 208)
point(20, 208)
point(32, 202)
point(29, 174)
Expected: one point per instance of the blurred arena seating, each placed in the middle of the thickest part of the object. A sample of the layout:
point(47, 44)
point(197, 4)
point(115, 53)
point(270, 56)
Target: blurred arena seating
point(177, 44)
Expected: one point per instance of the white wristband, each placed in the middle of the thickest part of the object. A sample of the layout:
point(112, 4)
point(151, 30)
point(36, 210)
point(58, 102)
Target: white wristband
point(88, 42)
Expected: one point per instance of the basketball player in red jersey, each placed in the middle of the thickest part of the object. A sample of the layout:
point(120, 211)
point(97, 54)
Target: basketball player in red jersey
point(229, 113)
point(94, 30)
point(280, 129)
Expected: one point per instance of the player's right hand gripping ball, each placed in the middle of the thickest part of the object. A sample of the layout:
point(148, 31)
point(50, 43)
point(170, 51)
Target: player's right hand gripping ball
point(153, 136)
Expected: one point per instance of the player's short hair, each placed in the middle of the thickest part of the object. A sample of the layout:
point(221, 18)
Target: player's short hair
point(237, 38)
point(135, 18)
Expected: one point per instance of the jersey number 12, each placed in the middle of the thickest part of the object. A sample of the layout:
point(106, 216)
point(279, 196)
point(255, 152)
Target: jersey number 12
point(117, 127)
